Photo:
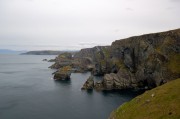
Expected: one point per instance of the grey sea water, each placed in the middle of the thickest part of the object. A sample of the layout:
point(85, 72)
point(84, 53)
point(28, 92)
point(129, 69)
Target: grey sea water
point(27, 91)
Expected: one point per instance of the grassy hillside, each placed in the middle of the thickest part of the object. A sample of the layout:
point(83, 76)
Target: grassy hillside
point(162, 102)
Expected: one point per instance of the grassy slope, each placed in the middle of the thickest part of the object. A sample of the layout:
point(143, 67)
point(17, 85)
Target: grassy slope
point(162, 102)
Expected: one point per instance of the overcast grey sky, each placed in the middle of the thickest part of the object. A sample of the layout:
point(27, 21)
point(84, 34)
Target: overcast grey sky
point(75, 24)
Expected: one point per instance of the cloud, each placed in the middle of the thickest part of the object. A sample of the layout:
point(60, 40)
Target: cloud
point(129, 9)
point(88, 44)
point(116, 30)
point(169, 8)
point(75, 24)
point(175, 0)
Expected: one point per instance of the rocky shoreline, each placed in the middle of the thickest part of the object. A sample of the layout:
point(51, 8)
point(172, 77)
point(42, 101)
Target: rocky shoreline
point(139, 62)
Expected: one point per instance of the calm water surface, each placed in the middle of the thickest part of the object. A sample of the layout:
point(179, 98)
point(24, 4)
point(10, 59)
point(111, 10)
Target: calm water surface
point(27, 91)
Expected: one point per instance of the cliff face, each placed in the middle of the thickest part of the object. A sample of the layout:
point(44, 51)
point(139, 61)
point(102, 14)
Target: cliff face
point(145, 61)
point(138, 62)
point(98, 58)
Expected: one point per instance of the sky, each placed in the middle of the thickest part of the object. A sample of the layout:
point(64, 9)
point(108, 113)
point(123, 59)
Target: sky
point(76, 24)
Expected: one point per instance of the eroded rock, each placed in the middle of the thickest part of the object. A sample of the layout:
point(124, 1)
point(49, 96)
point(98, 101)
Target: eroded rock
point(89, 84)
point(63, 73)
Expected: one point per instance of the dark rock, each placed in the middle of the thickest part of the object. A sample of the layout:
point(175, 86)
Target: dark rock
point(99, 86)
point(140, 62)
point(62, 60)
point(108, 82)
point(89, 84)
point(61, 76)
point(44, 60)
point(63, 73)
point(52, 60)
point(144, 61)
point(97, 59)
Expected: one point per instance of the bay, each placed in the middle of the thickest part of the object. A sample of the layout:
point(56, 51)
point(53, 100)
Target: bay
point(27, 91)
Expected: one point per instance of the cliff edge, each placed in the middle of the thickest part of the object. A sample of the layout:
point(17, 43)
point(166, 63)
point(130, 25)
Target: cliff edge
point(162, 102)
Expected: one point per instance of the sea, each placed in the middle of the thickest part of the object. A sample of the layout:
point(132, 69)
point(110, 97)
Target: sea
point(28, 91)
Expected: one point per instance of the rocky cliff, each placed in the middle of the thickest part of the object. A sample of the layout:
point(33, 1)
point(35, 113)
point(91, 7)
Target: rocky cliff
point(139, 62)
point(90, 59)
point(98, 58)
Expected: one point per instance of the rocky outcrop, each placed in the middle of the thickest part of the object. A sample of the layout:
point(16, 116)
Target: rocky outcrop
point(89, 84)
point(61, 76)
point(139, 62)
point(44, 60)
point(98, 58)
point(98, 86)
point(90, 59)
point(62, 60)
point(51, 60)
point(144, 61)
point(63, 73)
point(63, 64)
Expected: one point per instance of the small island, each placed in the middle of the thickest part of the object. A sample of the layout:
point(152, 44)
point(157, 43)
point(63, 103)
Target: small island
point(46, 52)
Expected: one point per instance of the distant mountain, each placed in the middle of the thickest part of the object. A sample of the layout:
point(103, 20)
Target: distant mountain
point(46, 52)
point(7, 51)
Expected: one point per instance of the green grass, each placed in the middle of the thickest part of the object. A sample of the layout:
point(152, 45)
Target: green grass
point(65, 69)
point(165, 104)
point(106, 52)
point(174, 64)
